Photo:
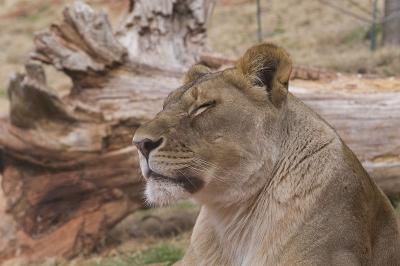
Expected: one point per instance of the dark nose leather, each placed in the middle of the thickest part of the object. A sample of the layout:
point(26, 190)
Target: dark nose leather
point(145, 146)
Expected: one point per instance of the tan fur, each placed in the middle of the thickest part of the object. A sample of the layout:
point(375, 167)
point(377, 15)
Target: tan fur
point(276, 183)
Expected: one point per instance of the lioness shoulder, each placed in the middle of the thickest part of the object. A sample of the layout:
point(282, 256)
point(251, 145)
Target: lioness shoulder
point(276, 183)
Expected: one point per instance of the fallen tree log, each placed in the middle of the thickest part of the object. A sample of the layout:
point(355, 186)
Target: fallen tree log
point(365, 111)
point(69, 172)
point(369, 122)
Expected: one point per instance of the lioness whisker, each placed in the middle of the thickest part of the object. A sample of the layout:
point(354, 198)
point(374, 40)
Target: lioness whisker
point(277, 185)
point(219, 169)
point(188, 179)
point(203, 170)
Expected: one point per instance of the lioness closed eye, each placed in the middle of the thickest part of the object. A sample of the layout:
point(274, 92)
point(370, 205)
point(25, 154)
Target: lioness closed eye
point(276, 183)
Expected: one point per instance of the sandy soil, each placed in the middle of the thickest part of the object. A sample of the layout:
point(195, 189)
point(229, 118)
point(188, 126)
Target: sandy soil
point(315, 35)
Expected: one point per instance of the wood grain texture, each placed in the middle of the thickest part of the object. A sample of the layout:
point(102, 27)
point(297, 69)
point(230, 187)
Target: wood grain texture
point(170, 33)
point(369, 123)
point(69, 171)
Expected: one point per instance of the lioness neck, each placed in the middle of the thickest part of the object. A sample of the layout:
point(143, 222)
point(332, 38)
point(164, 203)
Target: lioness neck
point(281, 205)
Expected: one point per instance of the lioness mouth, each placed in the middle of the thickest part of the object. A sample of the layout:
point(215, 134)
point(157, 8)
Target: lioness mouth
point(190, 183)
point(263, 165)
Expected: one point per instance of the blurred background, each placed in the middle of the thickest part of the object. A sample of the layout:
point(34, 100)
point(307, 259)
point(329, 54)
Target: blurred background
point(330, 34)
point(352, 37)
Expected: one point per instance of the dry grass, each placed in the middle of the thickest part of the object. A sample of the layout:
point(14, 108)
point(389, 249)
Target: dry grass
point(20, 19)
point(124, 248)
point(315, 35)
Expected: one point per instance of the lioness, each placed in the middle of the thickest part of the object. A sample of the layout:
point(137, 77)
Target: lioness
point(277, 184)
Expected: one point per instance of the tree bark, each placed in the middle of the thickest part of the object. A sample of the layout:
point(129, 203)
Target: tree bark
point(391, 23)
point(364, 111)
point(69, 171)
point(178, 40)
point(368, 122)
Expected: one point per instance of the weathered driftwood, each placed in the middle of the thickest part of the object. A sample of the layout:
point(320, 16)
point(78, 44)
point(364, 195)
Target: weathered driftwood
point(369, 123)
point(167, 43)
point(69, 171)
point(364, 111)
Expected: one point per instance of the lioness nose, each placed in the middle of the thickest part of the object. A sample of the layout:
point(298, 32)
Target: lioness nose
point(145, 146)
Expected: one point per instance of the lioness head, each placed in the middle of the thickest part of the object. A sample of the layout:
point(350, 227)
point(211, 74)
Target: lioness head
point(208, 139)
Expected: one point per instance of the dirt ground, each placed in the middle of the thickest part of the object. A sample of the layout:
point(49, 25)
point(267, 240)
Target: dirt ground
point(148, 237)
point(314, 34)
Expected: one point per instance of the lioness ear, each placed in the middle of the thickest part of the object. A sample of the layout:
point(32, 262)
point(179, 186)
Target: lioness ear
point(195, 72)
point(269, 66)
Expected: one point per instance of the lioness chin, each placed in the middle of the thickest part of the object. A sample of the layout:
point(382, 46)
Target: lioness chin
point(276, 183)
